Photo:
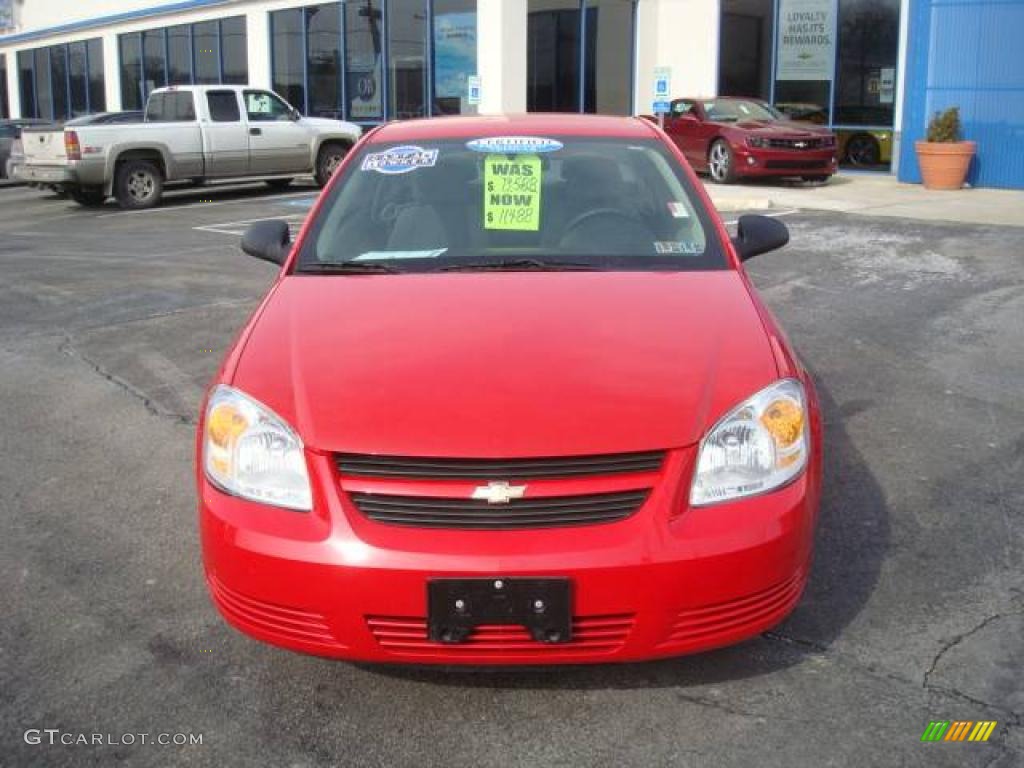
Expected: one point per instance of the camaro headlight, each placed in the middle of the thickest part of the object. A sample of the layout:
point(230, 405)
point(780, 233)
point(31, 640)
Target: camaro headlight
point(760, 445)
point(757, 141)
point(250, 452)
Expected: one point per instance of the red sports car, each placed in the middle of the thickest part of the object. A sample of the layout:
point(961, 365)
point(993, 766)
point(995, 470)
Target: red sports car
point(511, 400)
point(730, 138)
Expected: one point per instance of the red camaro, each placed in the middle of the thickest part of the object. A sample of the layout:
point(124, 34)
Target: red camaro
point(730, 138)
point(511, 400)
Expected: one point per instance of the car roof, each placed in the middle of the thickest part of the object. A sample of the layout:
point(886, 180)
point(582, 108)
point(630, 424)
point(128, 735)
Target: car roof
point(550, 124)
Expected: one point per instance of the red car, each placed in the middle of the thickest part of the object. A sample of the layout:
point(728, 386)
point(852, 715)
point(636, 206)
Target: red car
point(731, 138)
point(511, 400)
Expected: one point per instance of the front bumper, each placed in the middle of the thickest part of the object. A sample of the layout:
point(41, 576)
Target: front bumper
point(46, 174)
point(751, 161)
point(659, 583)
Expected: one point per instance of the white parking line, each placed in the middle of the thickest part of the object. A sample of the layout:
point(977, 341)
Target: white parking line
point(211, 204)
point(237, 228)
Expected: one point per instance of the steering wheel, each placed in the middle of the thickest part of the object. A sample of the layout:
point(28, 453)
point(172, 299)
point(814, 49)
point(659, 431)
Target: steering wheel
point(586, 216)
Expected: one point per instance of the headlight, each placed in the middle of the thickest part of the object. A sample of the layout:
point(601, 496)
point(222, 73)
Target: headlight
point(250, 452)
point(757, 141)
point(761, 444)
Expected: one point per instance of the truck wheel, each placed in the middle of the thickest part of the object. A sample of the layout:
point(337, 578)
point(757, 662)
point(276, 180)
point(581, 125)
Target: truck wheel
point(138, 184)
point(90, 197)
point(721, 162)
point(327, 162)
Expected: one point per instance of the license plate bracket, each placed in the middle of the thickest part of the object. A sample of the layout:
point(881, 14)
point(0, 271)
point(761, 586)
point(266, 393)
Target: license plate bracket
point(455, 607)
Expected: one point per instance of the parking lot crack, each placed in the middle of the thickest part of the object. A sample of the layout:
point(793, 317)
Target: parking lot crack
point(67, 347)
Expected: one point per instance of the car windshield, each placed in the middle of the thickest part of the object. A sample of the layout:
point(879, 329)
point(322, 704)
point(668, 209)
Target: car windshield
point(735, 110)
point(512, 202)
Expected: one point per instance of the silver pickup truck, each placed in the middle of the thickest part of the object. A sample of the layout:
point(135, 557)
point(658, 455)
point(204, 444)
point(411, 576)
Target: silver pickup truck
point(190, 134)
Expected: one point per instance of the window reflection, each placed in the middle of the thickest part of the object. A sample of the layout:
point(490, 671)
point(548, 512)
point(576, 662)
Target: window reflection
point(324, 41)
point(454, 55)
point(363, 54)
point(407, 51)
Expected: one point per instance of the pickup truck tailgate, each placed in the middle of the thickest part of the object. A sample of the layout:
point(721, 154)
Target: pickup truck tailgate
point(43, 146)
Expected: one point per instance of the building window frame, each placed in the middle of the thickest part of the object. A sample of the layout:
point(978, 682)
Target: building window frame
point(30, 53)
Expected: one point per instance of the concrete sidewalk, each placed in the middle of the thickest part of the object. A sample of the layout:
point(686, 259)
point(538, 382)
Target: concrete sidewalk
point(875, 195)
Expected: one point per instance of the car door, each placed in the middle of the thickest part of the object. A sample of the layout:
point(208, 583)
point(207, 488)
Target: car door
point(225, 135)
point(682, 126)
point(278, 141)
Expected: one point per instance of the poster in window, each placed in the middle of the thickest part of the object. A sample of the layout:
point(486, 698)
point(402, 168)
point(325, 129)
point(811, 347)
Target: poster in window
point(807, 40)
point(454, 58)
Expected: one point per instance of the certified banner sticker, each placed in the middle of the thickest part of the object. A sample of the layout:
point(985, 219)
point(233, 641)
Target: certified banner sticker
point(400, 160)
point(514, 145)
point(512, 192)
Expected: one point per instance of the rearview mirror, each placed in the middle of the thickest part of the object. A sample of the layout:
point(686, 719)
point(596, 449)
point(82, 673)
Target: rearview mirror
point(268, 240)
point(758, 234)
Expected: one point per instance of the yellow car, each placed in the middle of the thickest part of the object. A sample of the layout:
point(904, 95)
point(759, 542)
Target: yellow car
point(864, 147)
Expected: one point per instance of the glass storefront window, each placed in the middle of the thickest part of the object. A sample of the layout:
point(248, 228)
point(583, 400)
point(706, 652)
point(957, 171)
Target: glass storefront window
point(745, 48)
point(78, 78)
point(26, 84)
point(179, 55)
point(288, 56)
point(323, 35)
point(44, 97)
point(131, 71)
point(553, 56)
point(206, 52)
point(868, 50)
point(97, 80)
point(407, 54)
point(454, 55)
point(154, 61)
point(609, 57)
point(59, 82)
point(234, 51)
point(363, 60)
point(4, 109)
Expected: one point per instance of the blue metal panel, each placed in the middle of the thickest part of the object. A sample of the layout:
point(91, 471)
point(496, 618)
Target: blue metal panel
point(967, 53)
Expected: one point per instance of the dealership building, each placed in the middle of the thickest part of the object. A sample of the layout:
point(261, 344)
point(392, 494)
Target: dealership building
point(873, 70)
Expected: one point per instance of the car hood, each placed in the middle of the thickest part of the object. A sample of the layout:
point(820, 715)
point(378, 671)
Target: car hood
point(327, 123)
point(783, 128)
point(506, 364)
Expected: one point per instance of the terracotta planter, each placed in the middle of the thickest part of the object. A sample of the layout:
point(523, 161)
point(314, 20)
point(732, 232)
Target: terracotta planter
point(944, 166)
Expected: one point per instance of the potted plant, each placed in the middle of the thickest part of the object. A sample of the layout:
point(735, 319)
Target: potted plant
point(944, 158)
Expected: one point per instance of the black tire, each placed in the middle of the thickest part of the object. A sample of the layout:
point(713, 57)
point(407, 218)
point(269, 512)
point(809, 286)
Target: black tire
point(90, 197)
point(721, 162)
point(819, 179)
point(279, 183)
point(138, 184)
point(862, 149)
point(327, 162)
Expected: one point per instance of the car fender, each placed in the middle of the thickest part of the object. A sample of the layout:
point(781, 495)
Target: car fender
point(118, 151)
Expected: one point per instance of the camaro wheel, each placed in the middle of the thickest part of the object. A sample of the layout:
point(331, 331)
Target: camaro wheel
point(327, 162)
point(139, 184)
point(863, 149)
point(720, 162)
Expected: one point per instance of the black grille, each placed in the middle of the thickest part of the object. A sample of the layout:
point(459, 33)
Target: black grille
point(549, 512)
point(497, 469)
point(796, 165)
point(800, 144)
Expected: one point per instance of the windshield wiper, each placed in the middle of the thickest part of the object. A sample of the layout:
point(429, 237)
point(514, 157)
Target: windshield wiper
point(349, 268)
point(519, 265)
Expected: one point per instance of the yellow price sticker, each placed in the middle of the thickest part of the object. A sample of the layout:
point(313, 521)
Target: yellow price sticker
point(512, 192)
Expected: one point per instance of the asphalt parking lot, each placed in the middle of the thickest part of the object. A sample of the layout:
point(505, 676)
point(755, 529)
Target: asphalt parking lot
point(112, 322)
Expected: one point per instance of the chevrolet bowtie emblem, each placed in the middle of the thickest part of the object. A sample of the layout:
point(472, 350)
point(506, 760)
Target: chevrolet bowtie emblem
point(499, 493)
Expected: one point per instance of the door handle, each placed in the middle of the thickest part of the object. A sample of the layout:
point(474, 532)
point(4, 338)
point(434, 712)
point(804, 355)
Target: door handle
point(255, 132)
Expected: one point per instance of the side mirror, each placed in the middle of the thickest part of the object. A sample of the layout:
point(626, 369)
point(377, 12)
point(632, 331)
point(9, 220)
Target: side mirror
point(268, 240)
point(758, 234)
point(296, 115)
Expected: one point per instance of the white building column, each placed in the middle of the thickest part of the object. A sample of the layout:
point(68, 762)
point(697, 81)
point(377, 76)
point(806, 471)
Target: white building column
point(501, 55)
point(683, 35)
point(112, 71)
point(257, 27)
point(13, 91)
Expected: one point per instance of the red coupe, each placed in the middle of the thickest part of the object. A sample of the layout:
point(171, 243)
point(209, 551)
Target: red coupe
point(511, 399)
point(731, 138)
